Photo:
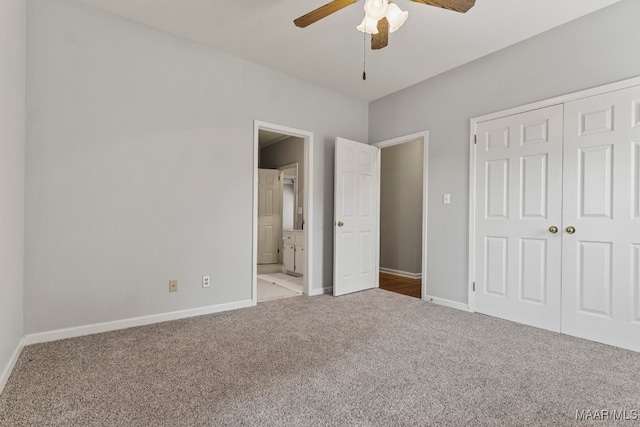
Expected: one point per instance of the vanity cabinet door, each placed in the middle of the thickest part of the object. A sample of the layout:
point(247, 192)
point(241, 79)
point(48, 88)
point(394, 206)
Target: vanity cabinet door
point(289, 256)
point(299, 258)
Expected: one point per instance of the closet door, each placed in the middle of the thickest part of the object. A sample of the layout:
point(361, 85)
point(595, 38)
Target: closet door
point(601, 219)
point(518, 202)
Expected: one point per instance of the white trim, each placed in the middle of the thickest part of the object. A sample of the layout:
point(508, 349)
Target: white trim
point(401, 273)
point(97, 328)
point(307, 202)
point(289, 166)
point(447, 303)
point(424, 135)
point(295, 199)
point(574, 96)
point(322, 291)
point(4, 377)
point(472, 218)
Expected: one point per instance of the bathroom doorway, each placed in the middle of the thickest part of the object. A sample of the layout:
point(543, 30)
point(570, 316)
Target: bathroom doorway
point(282, 220)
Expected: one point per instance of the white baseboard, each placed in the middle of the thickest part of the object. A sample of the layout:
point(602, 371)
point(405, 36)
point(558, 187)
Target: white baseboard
point(401, 273)
point(6, 373)
point(447, 303)
point(130, 323)
point(322, 291)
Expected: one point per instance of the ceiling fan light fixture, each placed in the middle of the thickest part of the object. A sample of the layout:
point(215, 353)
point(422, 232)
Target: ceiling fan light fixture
point(368, 26)
point(376, 9)
point(396, 17)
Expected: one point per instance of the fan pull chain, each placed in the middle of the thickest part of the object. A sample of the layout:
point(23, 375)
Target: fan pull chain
point(364, 53)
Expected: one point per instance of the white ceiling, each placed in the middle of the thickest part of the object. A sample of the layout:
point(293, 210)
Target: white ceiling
point(330, 52)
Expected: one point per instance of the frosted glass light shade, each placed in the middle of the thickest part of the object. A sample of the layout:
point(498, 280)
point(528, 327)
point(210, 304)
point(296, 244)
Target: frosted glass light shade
point(376, 9)
point(396, 17)
point(368, 26)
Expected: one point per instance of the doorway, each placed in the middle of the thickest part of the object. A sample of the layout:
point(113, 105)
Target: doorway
point(282, 217)
point(403, 201)
point(356, 250)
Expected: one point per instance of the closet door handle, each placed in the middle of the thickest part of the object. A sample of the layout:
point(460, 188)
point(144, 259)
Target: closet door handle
point(553, 229)
point(571, 230)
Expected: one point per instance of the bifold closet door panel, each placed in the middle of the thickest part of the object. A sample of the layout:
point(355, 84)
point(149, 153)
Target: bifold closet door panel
point(518, 199)
point(601, 219)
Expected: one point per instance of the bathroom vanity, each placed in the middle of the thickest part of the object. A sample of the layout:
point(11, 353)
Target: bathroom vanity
point(293, 252)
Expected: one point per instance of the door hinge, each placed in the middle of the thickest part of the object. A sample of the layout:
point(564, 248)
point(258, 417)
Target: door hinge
point(474, 286)
point(475, 139)
point(278, 250)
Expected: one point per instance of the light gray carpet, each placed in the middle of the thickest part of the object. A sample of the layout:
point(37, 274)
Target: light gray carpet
point(368, 359)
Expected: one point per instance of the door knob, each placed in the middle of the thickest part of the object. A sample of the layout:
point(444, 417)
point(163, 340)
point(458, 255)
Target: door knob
point(553, 229)
point(571, 230)
point(340, 223)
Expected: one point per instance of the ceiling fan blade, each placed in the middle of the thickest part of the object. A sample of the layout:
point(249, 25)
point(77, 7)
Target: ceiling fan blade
point(380, 40)
point(461, 6)
point(322, 12)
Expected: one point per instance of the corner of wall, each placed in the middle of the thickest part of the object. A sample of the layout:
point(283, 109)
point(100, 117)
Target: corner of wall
point(6, 373)
point(13, 49)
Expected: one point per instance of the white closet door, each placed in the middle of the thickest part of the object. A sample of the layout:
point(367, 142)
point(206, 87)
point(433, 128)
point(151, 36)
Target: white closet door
point(601, 279)
point(519, 197)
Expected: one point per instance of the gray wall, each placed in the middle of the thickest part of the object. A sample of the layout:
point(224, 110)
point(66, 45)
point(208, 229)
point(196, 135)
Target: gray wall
point(401, 207)
point(138, 142)
point(597, 49)
point(12, 148)
point(286, 152)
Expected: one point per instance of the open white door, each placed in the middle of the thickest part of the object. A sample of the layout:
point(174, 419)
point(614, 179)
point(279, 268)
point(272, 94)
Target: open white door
point(269, 219)
point(357, 209)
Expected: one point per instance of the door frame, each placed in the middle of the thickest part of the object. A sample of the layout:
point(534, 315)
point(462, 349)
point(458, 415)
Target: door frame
point(424, 136)
point(295, 190)
point(307, 203)
point(598, 90)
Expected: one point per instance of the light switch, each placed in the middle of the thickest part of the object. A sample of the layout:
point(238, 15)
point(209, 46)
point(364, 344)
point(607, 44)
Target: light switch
point(299, 210)
point(446, 198)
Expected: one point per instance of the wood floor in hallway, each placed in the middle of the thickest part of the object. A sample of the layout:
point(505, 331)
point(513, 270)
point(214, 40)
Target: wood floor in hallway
point(401, 285)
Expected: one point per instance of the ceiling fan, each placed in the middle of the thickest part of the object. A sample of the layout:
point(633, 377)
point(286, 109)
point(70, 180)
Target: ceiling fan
point(381, 16)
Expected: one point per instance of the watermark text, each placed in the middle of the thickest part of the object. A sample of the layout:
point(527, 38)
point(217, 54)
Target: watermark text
point(607, 414)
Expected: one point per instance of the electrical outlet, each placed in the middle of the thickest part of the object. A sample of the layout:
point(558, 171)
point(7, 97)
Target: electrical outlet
point(206, 281)
point(173, 286)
